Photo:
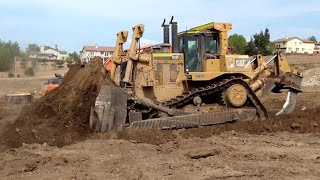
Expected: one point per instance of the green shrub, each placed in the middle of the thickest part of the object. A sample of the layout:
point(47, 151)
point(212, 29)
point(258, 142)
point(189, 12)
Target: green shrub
point(69, 60)
point(44, 60)
point(29, 71)
point(10, 75)
point(60, 66)
point(59, 62)
point(18, 76)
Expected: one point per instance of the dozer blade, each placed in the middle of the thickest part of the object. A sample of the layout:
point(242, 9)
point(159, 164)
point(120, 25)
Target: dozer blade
point(268, 87)
point(290, 103)
point(110, 110)
point(292, 82)
point(195, 120)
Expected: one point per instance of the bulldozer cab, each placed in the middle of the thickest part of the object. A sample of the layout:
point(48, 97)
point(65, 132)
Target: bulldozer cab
point(197, 48)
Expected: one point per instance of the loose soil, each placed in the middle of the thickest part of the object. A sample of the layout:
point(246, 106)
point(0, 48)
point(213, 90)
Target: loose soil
point(61, 117)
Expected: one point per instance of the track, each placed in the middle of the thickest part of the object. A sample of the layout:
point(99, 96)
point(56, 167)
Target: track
point(213, 118)
point(219, 86)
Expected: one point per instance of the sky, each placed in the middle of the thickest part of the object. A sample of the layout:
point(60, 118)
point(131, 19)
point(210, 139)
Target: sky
point(71, 24)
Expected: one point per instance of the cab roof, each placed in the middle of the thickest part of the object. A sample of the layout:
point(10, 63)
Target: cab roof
point(213, 27)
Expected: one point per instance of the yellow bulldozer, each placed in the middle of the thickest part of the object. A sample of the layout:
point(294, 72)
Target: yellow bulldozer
point(175, 85)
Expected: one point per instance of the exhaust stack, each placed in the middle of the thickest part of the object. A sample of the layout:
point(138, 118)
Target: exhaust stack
point(174, 36)
point(166, 33)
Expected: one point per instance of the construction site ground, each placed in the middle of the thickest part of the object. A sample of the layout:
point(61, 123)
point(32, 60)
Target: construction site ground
point(50, 139)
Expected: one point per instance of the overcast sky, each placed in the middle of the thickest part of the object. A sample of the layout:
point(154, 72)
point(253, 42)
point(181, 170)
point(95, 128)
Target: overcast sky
point(72, 24)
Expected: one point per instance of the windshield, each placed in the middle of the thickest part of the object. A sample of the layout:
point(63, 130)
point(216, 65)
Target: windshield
point(211, 44)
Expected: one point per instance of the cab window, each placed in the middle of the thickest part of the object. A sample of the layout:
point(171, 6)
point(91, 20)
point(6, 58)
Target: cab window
point(211, 44)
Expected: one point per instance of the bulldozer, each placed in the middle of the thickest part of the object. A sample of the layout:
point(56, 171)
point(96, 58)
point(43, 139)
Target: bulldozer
point(175, 85)
point(51, 84)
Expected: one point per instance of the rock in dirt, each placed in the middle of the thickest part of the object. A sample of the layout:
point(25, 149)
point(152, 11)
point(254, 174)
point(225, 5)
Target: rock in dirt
point(314, 124)
point(204, 153)
point(296, 126)
point(30, 167)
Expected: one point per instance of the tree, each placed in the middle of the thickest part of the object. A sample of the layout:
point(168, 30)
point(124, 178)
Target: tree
point(56, 47)
point(5, 59)
point(15, 49)
point(238, 43)
point(261, 44)
point(32, 48)
point(251, 48)
point(271, 47)
point(312, 38)
point(75, 56)
point(8, 51)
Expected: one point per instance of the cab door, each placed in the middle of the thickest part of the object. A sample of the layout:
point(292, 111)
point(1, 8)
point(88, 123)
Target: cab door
point(192, 58)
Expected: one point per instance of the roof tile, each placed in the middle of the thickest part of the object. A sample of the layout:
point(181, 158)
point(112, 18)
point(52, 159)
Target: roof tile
point(99, 48)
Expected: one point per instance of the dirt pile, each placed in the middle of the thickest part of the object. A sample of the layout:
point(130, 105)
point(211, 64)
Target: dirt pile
point(300, 121)
point(305, 119)
point(61, 117)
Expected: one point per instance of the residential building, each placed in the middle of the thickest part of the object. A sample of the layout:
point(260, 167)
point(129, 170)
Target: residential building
point(47, 52)
point(47, 56)
point(317, 48)
point(89, 52)
point(295, 45)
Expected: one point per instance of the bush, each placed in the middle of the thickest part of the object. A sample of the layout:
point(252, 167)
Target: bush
point(60, 66)
point(10, 75)
point(29, 71)
point(59, 62)
point(44, 60)
point(69, 60)
point(18, 76)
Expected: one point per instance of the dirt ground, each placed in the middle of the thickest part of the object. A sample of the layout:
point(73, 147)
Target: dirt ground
point(27, 84)
point(285, 147)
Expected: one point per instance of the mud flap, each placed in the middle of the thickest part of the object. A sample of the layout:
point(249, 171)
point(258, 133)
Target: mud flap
point(110, 110)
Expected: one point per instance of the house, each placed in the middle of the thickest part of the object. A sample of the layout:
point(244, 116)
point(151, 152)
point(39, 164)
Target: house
point(47, 52)
point(317, 48)
point(89, 52)
point(295, 45)
point(47, 56)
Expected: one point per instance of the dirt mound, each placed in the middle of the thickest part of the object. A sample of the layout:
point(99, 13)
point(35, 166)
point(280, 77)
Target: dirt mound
point(305, 119)
point(300, 121)
point(61, 117)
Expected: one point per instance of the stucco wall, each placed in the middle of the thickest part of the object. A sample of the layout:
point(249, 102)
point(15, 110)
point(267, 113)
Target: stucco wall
point(296, 46)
